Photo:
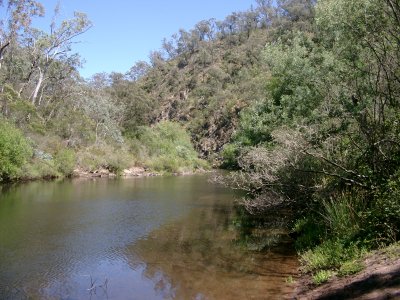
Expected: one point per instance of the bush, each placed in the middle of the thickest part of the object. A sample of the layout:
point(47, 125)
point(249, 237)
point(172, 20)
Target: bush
point(342, 215)
point(168, 148)
point(330, 254)
point(383, 218)
point(65, 161)
point(350, 267)
point(95, 157)
point(119, 161)
point(322, 276)
point(230, 155)
point(309, 234)
point(39, 168)
point(14, 150)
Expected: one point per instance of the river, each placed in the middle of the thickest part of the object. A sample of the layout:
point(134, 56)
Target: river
point(138, 238)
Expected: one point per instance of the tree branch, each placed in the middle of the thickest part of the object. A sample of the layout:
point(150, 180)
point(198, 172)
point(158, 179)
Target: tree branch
point(336, 165)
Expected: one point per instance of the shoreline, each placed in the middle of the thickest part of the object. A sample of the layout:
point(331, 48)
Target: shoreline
point(131, 173)
point(379, 279)
point(105, 173)
point(79, 173)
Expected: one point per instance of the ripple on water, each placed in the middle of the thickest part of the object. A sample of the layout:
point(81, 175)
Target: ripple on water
point(153, 238)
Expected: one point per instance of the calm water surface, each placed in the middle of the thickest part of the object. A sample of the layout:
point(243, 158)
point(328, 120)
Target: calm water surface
point(140, 238)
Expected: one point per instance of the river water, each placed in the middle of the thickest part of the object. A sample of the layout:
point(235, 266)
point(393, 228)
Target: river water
point(139, 238)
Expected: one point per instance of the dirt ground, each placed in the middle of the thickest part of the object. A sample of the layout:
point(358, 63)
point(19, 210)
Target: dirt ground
point(379, 280)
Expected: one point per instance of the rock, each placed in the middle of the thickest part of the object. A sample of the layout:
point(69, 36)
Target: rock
point(133, 172)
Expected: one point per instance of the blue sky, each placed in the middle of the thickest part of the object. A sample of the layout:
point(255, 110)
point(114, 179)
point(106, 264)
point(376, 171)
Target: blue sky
point(126, 31)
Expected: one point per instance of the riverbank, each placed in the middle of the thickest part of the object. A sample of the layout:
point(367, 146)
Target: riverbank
point(102, 172)
point(379, 279)
point(130, 172)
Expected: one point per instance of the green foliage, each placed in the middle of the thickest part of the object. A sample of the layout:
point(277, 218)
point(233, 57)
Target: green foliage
point(99, 106)
point(324, 138)
point(350, 267)
point(169, 148)
point(230, 155)
point(342, 215)
point(119, 161)
point(99, 156)
point(330, 254)
point(65, 161)
point(22, 112)
point(14, 150)
point(39, 169)
point(309, 233)
point(322, 276)
point(382, 225)
point(290, 280)
point(73, 126)
point(137, 104)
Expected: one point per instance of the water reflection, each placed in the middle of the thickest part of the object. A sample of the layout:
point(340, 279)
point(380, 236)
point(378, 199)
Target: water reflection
point(198, 257)
point(148, 238)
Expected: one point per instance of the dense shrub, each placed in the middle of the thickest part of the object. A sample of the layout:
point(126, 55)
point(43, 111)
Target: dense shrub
point(39, 169)
point(14, 150)
point(65, 161)
point(168, 148)
point(325, 138)
point(98, 156)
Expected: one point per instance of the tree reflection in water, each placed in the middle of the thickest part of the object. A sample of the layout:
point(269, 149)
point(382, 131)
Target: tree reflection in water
point(202, 257)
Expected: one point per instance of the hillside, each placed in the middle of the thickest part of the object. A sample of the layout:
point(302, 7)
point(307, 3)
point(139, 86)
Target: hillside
point(205, 77)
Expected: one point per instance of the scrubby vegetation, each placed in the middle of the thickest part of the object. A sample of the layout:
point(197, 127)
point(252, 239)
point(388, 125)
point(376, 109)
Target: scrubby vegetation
point(14, 150)
point(55, 122)
point(324, 141)
point(167, 147)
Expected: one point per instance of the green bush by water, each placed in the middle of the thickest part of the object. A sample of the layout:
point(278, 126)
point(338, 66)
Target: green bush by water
point(331, 254)
point(14, 150)
point(167, 148)
point(350, 267)
point(322, 276)
point(65, 160)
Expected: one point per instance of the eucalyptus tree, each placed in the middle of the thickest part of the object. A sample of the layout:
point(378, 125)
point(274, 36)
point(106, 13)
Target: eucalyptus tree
point(103, 110)
point(138, 70)
point(50, 50)
point(35, 61)
point(18, 19)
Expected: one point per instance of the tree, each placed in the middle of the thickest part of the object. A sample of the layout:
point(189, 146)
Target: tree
point(328, 126)
point(19, 15)
point(267, 12)
point(100, 107)
point(138, 70)
point(136, 103)
point(49, 48)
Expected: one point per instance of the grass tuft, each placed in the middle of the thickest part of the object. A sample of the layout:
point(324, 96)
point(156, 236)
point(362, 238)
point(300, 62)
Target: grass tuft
point(322, 276)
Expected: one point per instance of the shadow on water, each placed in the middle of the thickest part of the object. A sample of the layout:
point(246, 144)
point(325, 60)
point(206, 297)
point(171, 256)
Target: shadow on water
point(148, 238)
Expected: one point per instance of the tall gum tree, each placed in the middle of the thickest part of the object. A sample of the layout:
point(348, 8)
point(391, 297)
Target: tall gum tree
point(55, 46)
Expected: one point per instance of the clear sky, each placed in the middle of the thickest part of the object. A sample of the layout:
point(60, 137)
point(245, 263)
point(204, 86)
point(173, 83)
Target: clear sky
point(126, 31)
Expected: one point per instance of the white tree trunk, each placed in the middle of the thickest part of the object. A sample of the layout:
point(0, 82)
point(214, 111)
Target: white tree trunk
point(38, 86)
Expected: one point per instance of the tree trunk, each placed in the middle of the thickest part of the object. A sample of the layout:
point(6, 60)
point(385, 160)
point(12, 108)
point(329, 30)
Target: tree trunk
point(2, 48)
point(97, 128)
point(38, 86)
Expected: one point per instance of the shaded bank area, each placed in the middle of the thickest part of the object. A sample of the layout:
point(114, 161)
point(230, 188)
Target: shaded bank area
point(380, 279)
